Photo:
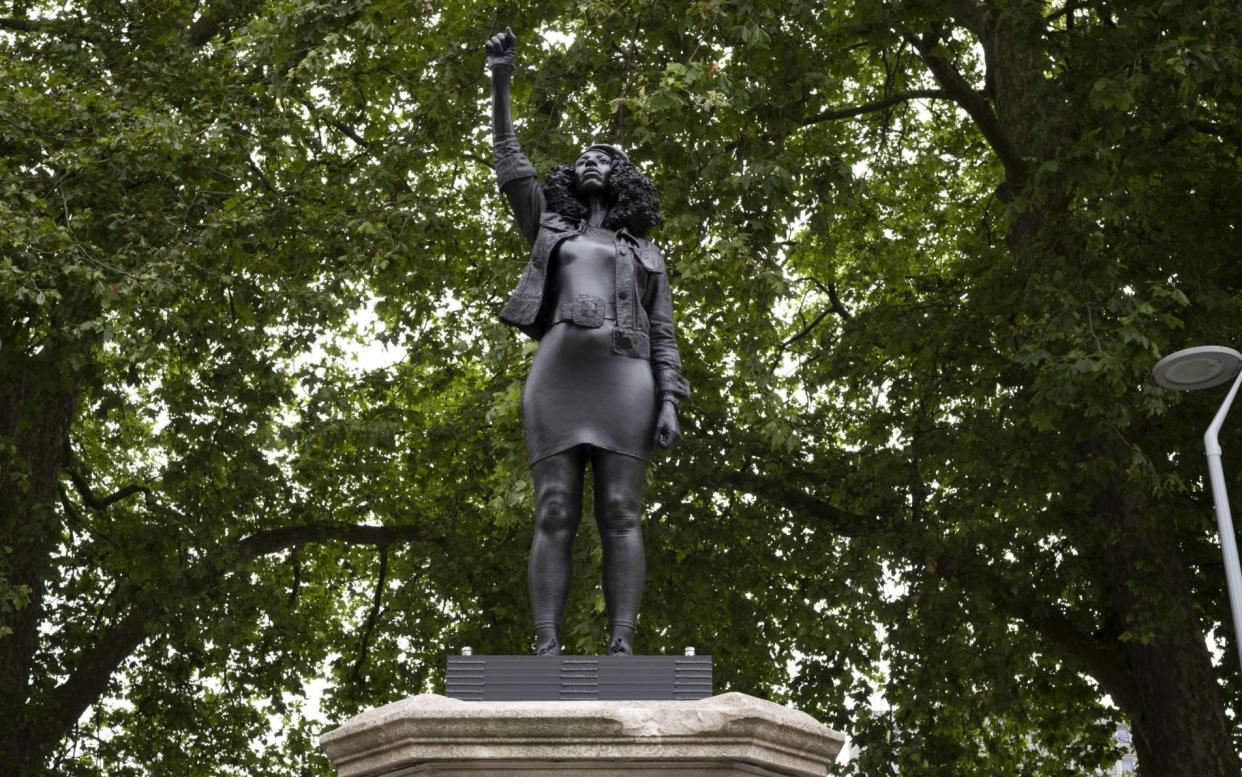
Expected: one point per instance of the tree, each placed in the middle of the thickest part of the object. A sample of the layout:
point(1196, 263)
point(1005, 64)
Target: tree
point(924, 260)
point(983, 306)
point(184, 222)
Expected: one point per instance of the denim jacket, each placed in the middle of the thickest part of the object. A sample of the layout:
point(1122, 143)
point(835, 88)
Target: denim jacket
point(644, 306)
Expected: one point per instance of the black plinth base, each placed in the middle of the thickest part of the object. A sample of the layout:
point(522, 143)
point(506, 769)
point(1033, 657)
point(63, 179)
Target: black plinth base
point(553, 678)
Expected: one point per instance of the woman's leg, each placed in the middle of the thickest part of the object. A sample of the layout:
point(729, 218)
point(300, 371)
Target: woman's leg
point(619, 481)
point(558, 510)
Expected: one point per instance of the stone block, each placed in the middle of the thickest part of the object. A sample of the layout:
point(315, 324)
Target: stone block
point(731, 734)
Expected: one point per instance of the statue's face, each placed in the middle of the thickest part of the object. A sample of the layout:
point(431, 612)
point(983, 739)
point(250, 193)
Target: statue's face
point(592, 169)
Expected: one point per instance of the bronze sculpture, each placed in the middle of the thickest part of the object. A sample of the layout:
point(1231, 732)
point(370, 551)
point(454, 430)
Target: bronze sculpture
point(606, 382)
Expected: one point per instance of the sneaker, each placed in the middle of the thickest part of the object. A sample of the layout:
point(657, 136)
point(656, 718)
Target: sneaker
point(620, 647)
point(550, 648)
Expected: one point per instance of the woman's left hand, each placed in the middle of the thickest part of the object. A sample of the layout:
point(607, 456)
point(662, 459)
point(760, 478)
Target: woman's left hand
point(668, 432)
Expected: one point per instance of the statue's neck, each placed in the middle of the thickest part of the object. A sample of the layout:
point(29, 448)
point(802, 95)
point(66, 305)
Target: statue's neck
point(598, 211)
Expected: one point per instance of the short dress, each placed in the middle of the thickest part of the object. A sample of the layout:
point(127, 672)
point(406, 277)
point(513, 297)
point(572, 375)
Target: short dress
point(578, 391)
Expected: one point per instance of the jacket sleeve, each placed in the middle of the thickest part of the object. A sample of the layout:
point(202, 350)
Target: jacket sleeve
point(665, 359)
point(516, 177)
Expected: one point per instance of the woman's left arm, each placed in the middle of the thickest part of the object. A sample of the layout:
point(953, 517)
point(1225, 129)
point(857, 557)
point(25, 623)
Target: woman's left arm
point(671, 385)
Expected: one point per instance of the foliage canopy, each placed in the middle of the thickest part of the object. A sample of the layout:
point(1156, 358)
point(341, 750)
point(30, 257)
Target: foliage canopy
point(924, 253)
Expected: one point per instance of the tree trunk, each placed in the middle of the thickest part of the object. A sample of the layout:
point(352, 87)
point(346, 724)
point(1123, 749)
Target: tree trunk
point(1180, 729)
point(38, 399)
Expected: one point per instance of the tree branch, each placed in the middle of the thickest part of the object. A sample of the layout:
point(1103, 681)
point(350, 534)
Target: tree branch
point(300, 53)
point(101, 502)
point(975, 105)
point(258, 171)
point(377, 603)
point(350, 133)
point(876, 105)
point(806, 330)
point(61, 27)
point(837, 307)
point(1098, 659)
point(838, 521)
point(90, 679)
point(70, 512)
point(215, 18)
point(1069, 8)
point(203, 29)
point(275, 540)
point(28, 25)
point(338, 125)
point(95, 666)
point(296, 586)
point(1228, 134)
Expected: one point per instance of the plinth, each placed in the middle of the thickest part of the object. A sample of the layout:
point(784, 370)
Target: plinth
point(731, 735)
point(578, 678)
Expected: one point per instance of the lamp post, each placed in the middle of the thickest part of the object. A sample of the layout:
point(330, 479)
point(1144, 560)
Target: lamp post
point(1200, 368)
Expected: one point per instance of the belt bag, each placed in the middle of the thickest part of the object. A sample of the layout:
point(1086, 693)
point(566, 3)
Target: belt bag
point(586, 310)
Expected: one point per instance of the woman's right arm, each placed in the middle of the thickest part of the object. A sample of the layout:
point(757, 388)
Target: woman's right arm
point(514, 172)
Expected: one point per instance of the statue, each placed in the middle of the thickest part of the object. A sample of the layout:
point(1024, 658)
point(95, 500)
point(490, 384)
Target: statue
point(605, 384)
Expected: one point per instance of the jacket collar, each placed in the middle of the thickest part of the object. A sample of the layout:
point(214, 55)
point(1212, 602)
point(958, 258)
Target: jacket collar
point(559, 223)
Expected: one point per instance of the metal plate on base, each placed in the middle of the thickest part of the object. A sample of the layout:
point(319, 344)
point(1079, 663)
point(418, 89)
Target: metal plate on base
point(589, 678)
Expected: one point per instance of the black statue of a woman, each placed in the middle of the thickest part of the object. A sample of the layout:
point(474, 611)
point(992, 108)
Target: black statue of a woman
point(606, 383)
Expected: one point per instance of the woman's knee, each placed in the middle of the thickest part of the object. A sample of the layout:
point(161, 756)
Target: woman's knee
point(556, 512)
point(619, 512)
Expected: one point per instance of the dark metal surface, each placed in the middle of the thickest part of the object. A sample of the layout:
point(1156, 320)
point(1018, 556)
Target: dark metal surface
point(562, 678)
point(606, 383)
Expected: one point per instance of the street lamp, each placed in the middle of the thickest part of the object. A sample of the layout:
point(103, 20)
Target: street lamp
point(1200, 368)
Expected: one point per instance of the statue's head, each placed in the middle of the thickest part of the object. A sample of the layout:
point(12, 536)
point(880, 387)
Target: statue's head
point(592, 169)
point(604, 171)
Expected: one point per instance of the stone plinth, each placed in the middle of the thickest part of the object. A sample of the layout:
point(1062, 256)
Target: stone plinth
point(731, 734)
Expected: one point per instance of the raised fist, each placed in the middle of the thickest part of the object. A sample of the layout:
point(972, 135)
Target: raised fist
point(501, 49)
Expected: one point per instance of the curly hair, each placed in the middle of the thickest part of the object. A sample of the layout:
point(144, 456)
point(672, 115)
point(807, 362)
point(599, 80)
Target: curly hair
point(632, 199)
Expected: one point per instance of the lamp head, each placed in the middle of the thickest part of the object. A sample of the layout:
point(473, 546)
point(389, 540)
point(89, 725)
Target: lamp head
point(1197, 368)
